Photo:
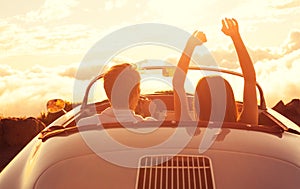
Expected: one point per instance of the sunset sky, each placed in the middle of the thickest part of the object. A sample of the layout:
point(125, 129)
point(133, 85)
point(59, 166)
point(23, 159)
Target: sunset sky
point(42, 42)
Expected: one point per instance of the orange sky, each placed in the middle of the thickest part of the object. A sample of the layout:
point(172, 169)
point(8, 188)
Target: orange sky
point(43, 42)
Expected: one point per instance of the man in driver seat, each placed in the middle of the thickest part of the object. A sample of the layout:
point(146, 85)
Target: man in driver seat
point(122, 87)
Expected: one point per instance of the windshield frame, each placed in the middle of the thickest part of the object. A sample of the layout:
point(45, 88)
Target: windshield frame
point(262, 101)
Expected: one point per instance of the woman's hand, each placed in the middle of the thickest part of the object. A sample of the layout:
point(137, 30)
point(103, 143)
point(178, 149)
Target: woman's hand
point(180, 99)
point(230, 27)
point(196, 39)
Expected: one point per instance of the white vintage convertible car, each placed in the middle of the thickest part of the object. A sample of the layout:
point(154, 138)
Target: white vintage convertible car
point(163, 153)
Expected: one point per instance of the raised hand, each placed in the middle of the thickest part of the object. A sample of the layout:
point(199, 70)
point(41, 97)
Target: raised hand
point(249, 113)
point(180, 99)
point(197, 38)
point(230, 27)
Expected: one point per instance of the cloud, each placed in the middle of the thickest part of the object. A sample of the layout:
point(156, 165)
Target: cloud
point(7, 37)
point(25, 93)
point(226, 55)
point(280, 78)
point(84, 73)
point(109, 5)
point(51, 10)
point(261, 54)
point(288, 4)
point(36, 33)
point(6, 71)
point(66, 39)
point(196, 11)
point(292, 43)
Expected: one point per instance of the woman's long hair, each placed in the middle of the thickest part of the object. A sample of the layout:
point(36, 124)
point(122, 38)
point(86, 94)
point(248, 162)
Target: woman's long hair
point(215, 93)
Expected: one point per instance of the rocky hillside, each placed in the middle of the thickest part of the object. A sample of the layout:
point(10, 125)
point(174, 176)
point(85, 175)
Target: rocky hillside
point(290, 110)
point(15, 133)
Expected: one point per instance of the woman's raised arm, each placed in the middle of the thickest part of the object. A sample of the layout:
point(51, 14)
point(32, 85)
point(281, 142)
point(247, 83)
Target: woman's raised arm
point(249, 113)
point(180, 98)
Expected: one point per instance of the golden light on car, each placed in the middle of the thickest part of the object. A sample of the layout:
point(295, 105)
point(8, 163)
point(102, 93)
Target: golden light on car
point(55, 105)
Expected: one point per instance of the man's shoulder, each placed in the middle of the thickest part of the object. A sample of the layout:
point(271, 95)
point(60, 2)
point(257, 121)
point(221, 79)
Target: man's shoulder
point(94, 119)
point(108, 115)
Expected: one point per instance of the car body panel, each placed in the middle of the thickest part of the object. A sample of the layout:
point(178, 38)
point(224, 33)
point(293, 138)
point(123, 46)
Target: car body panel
point(68, 160)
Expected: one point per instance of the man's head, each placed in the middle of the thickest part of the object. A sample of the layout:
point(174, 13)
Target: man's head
point(122, 86)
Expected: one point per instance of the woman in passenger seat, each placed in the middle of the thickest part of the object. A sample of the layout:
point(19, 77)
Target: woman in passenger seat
point(214, 92)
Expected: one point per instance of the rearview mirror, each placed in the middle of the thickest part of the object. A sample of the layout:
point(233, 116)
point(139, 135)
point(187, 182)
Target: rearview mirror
point(56, 105)
point(168, 71)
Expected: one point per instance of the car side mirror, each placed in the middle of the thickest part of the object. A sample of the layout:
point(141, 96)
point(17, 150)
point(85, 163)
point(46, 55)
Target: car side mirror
point(56, 105)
